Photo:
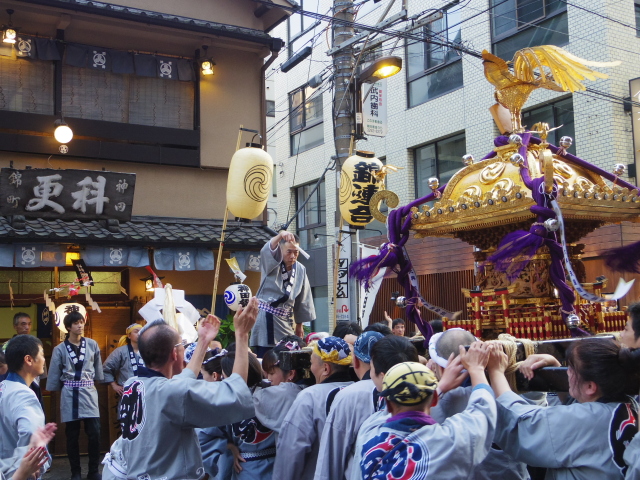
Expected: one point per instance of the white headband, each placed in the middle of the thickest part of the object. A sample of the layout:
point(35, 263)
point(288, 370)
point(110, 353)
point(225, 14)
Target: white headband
point(443, 362)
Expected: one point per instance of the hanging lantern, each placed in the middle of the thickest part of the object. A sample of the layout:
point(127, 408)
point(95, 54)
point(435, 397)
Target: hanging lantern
point(64, 310)
point(358, 183)
point(236, 295)
point(249, 182)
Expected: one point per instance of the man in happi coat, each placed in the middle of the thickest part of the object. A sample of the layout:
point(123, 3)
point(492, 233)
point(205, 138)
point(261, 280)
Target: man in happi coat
point(124, 361)
point(20, 412)
point(284, 293)
point(161, 407)
point(75, 366)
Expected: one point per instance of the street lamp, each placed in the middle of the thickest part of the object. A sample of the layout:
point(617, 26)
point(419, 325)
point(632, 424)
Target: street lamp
point(380, 69)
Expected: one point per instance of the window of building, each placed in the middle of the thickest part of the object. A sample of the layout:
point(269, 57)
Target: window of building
point(439, 159)
point(517, 24)
point(27, 85)
point(305, 108)
point(555, 114)
point(637, 10)
point(313, 217)
point(433, 70)
point(271, 108)
point(302, 28)
point(98, 95)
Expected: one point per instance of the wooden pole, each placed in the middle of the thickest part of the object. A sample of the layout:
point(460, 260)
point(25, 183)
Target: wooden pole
point(216, 275)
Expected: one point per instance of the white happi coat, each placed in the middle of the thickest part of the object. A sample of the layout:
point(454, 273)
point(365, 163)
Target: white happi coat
point(20, 415)
point(302, 429)
point(62, 371)
point(582, 441)
point(350, 409)
point(265, 333)
point(118, 367)
point(159, 417)
point(449, 450)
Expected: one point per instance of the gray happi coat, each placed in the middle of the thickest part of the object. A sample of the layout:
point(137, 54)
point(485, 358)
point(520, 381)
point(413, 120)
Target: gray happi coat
point(20, 415)
point(117, 367)
point(498, 464)
point(159, 417)
point(302, 429)
point(62, 369)
point(582, 441)
point(350, 409)
point(272, 404)
point(272, 289)
point(449, 450)
point(632, 459)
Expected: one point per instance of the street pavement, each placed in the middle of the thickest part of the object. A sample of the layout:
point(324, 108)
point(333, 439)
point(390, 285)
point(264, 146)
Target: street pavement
point(60, 469)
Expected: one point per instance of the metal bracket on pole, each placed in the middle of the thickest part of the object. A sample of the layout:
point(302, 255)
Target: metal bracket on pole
point(419, 23)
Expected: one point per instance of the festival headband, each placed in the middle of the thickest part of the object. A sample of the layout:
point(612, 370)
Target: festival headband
point(333, 350)
point(130, 328)
point(433, 353)
point(221, 353)
point(363, 345)
point(408, 383)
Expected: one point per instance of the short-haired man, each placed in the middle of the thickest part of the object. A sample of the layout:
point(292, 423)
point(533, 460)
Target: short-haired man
point(20, 411)
point(410, 443)
point(302, 428)
point(352, 406)
point(285, 290)
point(22, 326)
point(161, 407)
point(75, 367)
point(397, 327)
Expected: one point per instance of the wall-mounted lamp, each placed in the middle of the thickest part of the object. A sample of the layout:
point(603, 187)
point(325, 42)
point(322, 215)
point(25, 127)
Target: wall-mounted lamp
point(62, 133)
point(9, 33)
point(206, 63)
point(148, 283)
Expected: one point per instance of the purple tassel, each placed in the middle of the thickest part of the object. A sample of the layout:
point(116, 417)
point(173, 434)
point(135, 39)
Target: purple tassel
point(365, 269)
point(515, 251)
point(623, 259)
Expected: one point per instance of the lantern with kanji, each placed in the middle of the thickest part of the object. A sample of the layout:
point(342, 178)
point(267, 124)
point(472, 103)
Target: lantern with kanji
point(249, 182)
point(65, 309)
point(236, 295)
point(358, 182)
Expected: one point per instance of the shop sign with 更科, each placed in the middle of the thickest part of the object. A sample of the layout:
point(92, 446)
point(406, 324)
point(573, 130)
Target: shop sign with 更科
point(67, 194)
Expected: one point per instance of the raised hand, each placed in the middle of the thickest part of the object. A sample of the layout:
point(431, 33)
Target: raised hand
point(31, 463)
point(536, 361)
point(245, 318)
point(498, 360)
point(453, 375)
point(287, 237)
point(476, 357)
point(209, 329)
point(43, 435)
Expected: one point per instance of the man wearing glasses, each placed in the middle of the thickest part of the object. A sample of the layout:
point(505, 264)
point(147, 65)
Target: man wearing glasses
point(161, 407)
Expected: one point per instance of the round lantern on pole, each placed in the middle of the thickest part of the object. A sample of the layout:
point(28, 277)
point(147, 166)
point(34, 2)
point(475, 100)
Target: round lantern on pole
point(236, 295)
point(65, 309)
point(249, 182)
point(358, 183)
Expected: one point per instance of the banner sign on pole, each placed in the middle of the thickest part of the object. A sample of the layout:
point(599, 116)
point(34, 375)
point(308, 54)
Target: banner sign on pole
point(374, 109)
point(368, 299)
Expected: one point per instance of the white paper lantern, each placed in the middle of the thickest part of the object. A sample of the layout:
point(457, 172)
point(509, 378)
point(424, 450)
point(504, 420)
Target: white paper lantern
point(236, 295)
point(358, 183)
point(249, 182)
point(64, 310)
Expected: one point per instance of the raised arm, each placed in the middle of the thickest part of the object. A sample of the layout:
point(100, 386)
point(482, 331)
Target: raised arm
point(243, 321)
point(283, 235)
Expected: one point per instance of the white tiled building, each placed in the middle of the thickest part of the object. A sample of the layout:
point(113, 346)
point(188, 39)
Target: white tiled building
point(438, 109)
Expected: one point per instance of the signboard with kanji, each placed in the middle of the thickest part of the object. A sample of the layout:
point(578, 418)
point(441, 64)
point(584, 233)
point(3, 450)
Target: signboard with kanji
point(67, 194)
point(374, 109)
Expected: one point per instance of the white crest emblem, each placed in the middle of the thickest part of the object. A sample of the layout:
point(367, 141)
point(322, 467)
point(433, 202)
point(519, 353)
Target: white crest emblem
point(45, 316)
point(254, 262)
point(115, 255)
point(99, 59)
point(165, 69)
point(120, 206)
point(28, 255)
point(24, 47)
point(184, 260)
point(63, 149)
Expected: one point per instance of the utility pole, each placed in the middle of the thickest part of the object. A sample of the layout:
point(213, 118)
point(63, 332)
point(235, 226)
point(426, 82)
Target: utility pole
point(344, 128)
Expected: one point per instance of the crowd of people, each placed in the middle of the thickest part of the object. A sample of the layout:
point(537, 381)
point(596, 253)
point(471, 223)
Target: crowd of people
point(353, 404)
